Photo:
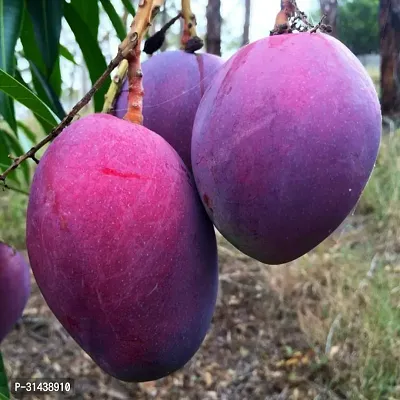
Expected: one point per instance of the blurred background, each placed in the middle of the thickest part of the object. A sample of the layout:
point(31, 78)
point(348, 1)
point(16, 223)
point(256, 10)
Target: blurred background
point(326, 326)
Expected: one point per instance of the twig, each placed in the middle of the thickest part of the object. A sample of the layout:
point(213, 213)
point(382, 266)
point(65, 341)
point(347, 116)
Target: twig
point(135, 76)
point(138, 27)
point(134, 112)
point(155, 42)
point(287, 20)
point(190, 41)
point(118, 80)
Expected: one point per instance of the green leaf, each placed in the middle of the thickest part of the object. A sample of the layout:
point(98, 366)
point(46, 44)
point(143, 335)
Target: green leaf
point(92, 54)
point(4, 392)
point(128, 5)
point(31, 49)
point(48, 96)
point(7, 111)
point(46, 18)
point(89, 13)
point(23, 95)
point(114, 18)
point(67, 54)
point(55, 79)
point(10, 26)
point(10, 145)
point(47, 89)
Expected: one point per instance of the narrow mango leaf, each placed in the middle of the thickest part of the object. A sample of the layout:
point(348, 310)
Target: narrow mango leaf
point(23, 95)
point(10, 145)
point(89, 13)
point(36, 63)
point(31, 48)
point(67, 54)
point(49, 96)
point(94, 59)
point(7, 110)
point(114, 18)
point(4, 392)
point(46, 17)
point(10, 26)
point(128, 5)
point(56, 80)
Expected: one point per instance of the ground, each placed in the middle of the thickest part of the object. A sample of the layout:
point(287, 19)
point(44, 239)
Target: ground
point(253, 333)
point(326, 326)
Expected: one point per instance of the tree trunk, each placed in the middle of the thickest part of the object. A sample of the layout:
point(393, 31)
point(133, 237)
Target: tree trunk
point(389, 21)
point(329, 8)
point(214, 21)
point(246, 27)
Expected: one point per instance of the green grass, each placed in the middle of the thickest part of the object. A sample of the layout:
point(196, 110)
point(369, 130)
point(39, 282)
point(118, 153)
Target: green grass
point(13, 217)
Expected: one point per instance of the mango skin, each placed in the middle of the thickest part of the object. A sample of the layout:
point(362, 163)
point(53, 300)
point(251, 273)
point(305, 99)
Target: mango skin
point(284, 142)
point(121, 247)
point(173, 82)
point(15, 288)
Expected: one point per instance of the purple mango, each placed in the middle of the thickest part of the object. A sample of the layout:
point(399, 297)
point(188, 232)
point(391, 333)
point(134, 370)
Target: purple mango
point(15, 287)
point(174, 83)
point(121, 247)
point(284, 142)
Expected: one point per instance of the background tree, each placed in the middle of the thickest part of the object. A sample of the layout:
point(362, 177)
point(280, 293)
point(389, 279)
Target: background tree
point(389, 21)
point(246, 27)
point(214, 22)
point(357, 25)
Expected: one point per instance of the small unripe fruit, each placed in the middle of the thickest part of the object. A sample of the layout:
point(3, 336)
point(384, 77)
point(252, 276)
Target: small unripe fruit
point(284, 142)
point(15, 288)
point(121, 247)
point(173, 82)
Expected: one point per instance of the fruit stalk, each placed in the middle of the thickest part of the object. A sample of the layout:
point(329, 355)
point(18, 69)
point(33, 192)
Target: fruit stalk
point(118, 79)
point(141, 23)
point(190, 42)
point(134, 113)
point(124, 51)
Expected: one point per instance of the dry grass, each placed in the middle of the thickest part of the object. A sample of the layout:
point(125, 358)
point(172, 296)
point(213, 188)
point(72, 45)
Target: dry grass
point(347, 291)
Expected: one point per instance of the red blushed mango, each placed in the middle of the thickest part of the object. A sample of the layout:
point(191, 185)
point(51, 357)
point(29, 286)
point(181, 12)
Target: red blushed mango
point(173, 82)
point(284, 142)
point(121, 247)
point(15, 288)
